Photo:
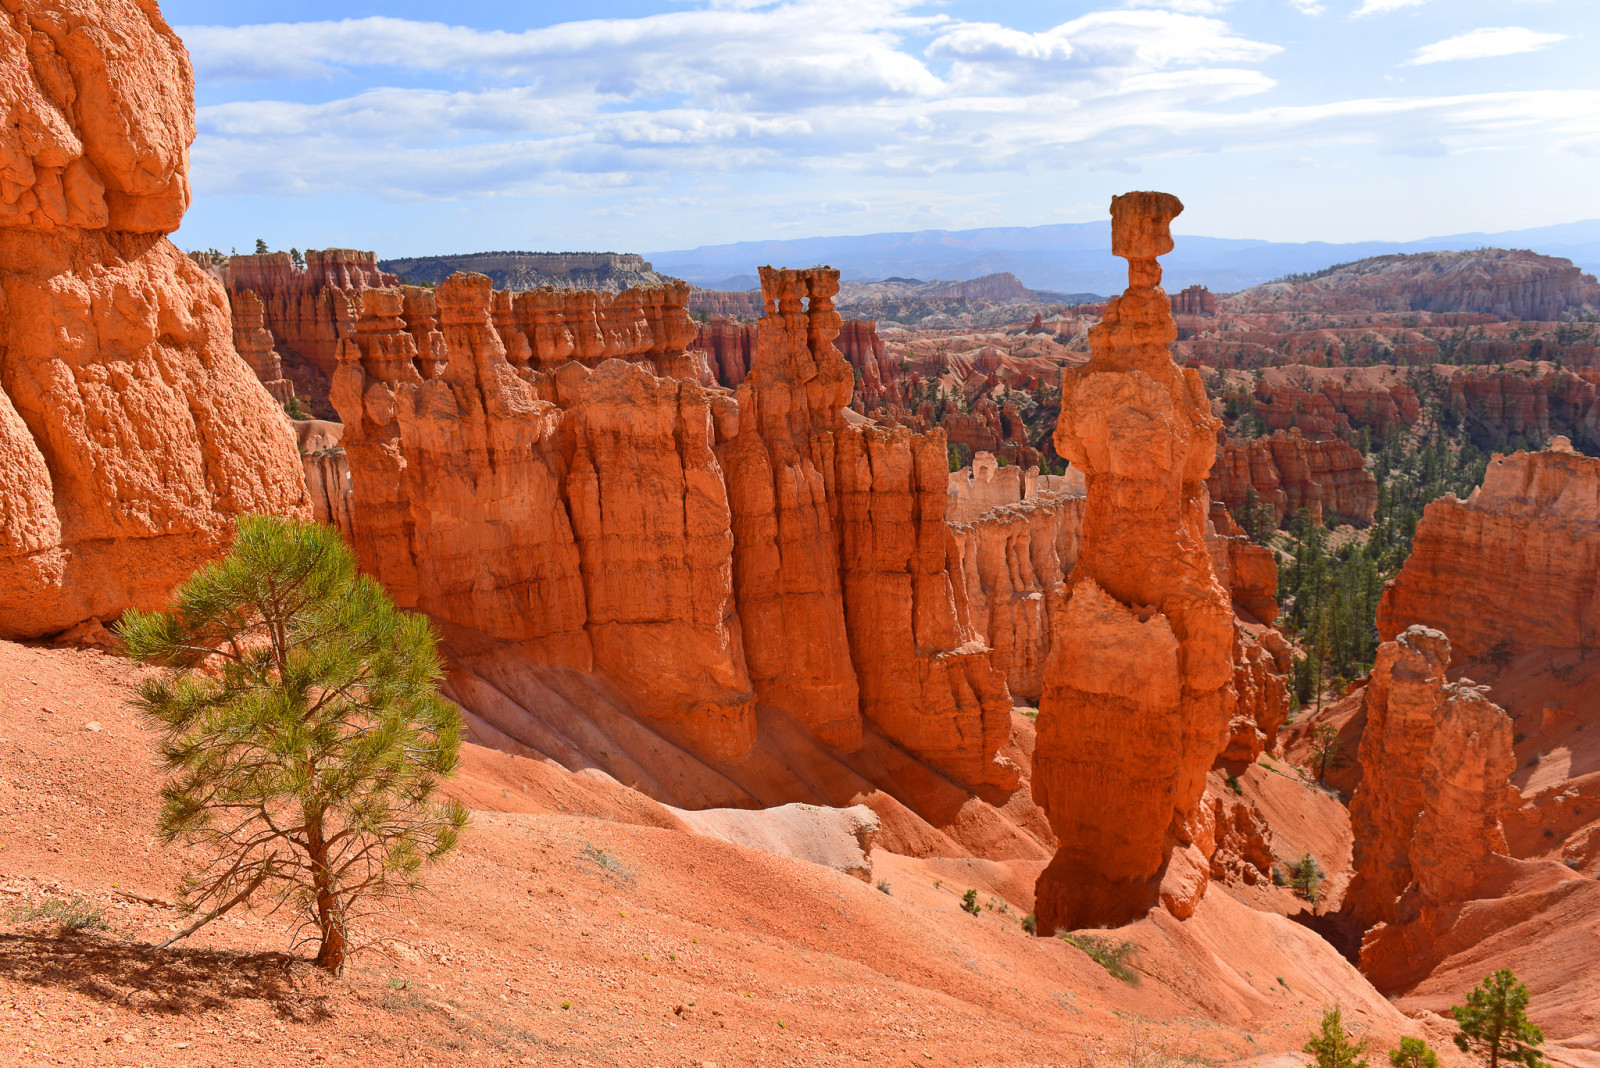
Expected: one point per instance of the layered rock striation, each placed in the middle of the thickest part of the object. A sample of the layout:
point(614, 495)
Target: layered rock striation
point(1138, 690)
point(131, 432)
point(1290, 472)
point(1527, 545)
point(586, 503)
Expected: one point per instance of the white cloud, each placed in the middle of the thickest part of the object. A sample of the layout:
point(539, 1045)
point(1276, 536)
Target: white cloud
point(1308, 7)
point(1484, 43)
point(1383, 7)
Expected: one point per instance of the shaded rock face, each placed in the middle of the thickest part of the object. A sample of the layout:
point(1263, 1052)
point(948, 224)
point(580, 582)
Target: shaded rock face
point(1535, 525)
point(1014, 560)
point(729, 347)
point(1288, 472)
point(1138, 690)
point(1335, 409)
point(1436, 758)
point(131, 433)
point(588, 504)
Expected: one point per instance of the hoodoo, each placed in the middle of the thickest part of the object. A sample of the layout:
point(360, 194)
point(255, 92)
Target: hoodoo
point(1137, 690)
point(131, 433)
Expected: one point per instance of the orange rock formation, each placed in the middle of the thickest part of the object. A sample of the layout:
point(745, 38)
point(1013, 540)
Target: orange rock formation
point(1289, 471)
point(1534, 525)
point(131, 433)
point(1138, 690)
point(545, 469)
point(1435, 761)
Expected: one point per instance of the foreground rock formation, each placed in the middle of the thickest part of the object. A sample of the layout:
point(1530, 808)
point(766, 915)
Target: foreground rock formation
point(1138, 691)
point(131, 433)
point(1435, 759)
point(595, 509)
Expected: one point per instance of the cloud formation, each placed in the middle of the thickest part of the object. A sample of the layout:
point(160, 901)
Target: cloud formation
point(1383, 7)
point(864, 88)
point(1484, 44)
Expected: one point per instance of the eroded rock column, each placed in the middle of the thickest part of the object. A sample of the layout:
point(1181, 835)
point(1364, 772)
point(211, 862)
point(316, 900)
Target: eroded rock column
point(1137, 694)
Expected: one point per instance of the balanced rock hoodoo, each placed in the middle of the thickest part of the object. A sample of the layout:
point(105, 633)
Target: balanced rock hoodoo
point(1138, 690)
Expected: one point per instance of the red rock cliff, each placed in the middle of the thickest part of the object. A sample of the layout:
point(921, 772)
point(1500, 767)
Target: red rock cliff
point(131, 433)
point(695, 549)
point(1288, 472)
point(1138, 690)
point(1534, 525)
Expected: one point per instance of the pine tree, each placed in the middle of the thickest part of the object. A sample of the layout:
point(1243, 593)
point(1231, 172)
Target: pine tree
point(1413, 1053)
point(302, 733)
point(1494, 1023)
point(261, 247)
point(1331, 1045)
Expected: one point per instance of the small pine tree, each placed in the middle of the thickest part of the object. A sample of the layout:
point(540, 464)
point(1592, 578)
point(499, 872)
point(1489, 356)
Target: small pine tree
point(302, 731)
point(1331, 1046)
point(296, 259)
point(1327, 751)
point(1494, 1023)
point(1413, 1053)
point(261, 247)
point(969, 902)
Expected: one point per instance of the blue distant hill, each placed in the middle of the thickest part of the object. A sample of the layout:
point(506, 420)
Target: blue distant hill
point(1076, 258)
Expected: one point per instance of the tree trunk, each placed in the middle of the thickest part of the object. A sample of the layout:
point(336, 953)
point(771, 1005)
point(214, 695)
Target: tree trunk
point(331, 953)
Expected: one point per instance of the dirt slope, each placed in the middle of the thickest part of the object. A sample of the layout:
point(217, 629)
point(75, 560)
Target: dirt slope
point(575, 921)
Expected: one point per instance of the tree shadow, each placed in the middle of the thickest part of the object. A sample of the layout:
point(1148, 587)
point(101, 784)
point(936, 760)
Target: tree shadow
point(175, 981)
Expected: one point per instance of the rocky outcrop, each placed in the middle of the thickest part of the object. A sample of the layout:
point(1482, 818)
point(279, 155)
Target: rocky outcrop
point(1534, 525)
point(1289, 472)
point(1015, 558)
point(876, 378)
point(1196, 300)
point(609, 272)
point(984, 485)
point(726, 304)
point(1334, 408)
point(1435, 763)
point(131, 433)
point(1249, 571)
point(327, 472)
point(1138, 691)
point(255, 343)
point(694, 549)
point(730, 349)
point(1509, 284)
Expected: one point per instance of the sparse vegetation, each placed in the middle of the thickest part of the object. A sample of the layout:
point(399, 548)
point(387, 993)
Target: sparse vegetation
point(302, 733)
point(1413, 1053)
point(68, 915)
point(1112, 956)
point(1030, 924)
point(969, 902)
point(1494, 1024)
point(883, 887)
point(1330, 1046)
point(1234, 784)
point(1327, 751)
point(1306, 879)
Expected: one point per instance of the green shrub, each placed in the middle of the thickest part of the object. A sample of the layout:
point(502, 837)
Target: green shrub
point(1112, 956)
point(1494, 1023)
point(1307, 878)
point(1234, 784)
point(969, 902)
point(1413, 1053)
point(1030, 924)
point(69, 915)
point(1331, 1046)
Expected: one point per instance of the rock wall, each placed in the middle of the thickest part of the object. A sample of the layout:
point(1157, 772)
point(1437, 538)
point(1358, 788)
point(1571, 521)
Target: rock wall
point(1288, 472)
point(1534, 525)
point(729, 304)
point(730, 348)
point(1015, 558)
point(131, 432)
point(984, 485)
point(1138, 690)
point(698, 550)
point(1436, 759)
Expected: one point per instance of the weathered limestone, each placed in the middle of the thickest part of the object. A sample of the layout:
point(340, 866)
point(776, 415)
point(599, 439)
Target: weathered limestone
point(131, 433)
point(1535, 524)
point(1436, 757)
point(1138, 690)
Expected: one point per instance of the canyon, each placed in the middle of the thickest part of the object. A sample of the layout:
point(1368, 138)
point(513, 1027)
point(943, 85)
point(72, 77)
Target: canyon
point(776, 633)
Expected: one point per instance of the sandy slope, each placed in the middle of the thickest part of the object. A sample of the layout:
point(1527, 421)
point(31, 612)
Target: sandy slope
point(575, 922)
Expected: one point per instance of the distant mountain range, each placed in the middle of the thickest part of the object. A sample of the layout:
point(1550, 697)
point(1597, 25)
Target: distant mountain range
point(1076, 258)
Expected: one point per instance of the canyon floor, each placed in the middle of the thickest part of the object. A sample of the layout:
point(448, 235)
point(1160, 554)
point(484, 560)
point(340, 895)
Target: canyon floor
point(570, 930)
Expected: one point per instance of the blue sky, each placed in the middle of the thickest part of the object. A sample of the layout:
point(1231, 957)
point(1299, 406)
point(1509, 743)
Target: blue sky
point(636, 125)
